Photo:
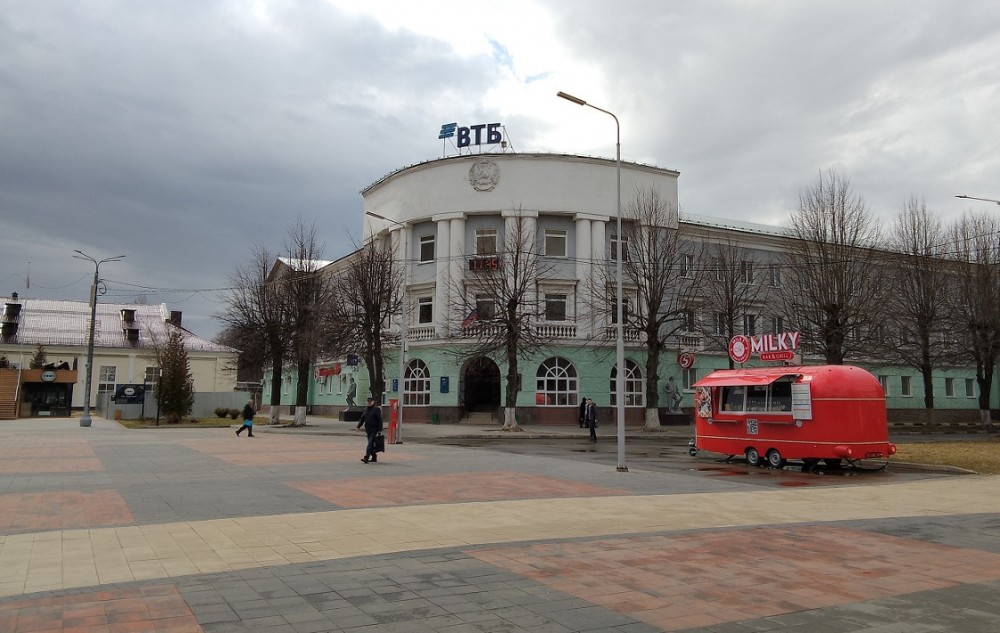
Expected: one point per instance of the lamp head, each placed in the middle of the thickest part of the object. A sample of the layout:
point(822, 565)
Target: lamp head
point(569, 97)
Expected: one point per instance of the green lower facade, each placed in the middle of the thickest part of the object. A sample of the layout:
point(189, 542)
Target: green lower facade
point(444, 385)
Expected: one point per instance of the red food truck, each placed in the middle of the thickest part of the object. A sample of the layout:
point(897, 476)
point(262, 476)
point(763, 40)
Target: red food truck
point(828, 412)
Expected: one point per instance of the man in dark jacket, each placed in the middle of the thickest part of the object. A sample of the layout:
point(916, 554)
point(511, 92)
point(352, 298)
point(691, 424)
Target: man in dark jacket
point(371, 419)
point(591, 418)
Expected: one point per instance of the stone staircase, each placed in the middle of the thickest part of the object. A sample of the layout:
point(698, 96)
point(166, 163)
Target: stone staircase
point(478, 417)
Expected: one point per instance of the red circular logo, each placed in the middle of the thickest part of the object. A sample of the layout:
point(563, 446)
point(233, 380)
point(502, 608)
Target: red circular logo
point(739, 349)
point(685, 360)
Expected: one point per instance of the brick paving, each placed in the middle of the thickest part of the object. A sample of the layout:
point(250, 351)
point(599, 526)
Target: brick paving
point(105, 529)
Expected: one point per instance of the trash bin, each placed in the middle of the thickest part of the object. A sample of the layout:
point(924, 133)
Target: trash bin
point(435, 418)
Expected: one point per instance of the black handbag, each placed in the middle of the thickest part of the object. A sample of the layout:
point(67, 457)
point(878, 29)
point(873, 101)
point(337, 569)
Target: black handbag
point(379, 443)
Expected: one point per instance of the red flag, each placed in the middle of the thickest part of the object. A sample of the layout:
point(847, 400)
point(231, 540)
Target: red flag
point(472, 318)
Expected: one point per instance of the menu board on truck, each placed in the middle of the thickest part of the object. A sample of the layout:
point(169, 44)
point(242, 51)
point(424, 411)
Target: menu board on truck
point(801, 401)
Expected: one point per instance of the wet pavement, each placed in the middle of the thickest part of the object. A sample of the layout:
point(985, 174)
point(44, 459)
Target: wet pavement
point(109, 529)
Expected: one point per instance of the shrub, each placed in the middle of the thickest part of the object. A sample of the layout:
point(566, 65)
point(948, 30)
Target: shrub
point(221, 412)
point(234, 413)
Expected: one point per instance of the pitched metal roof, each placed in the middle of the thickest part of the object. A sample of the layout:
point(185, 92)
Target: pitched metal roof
point(51, 322)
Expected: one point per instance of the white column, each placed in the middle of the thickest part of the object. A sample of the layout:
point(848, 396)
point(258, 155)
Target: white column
point(442, 289)
point(585, 275)
point(401, 238)
point(457, 266)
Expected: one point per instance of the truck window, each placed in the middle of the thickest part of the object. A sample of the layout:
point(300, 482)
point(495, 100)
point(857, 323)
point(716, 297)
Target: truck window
point(757, 398)
point(781, 396)
point(732, 398)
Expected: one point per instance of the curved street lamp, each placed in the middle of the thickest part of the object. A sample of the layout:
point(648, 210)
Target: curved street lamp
point(982, 199)
point(85, 418)
point(619, 331)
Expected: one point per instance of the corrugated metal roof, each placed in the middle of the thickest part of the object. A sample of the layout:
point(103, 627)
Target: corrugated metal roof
point(56, 322)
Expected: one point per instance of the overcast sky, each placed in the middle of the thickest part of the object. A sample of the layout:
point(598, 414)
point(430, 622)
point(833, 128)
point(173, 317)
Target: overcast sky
point(182, 133)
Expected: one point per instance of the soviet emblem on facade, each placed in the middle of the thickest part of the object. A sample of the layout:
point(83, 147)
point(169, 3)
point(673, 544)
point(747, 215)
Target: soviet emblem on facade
point(484, 175)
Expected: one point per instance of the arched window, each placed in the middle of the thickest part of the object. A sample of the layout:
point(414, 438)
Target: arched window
point(556, 383)
point(633, 385)
point(417, 384)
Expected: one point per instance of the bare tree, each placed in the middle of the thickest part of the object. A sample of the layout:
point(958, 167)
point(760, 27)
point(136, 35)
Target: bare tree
point(917, 303)
point(731, 290)
point(835, 290)
point(976, 298)
point(367, 291)
point(507, 315)
point(307, 293)
point(652, 273)
point(256, 321)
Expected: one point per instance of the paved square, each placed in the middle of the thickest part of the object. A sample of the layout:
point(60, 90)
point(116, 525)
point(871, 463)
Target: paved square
point(698, 580)
point(62, 510)
point(375, 491)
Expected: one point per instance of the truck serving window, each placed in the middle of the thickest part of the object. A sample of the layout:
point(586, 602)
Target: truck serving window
point(732, 398)
point(781, 396)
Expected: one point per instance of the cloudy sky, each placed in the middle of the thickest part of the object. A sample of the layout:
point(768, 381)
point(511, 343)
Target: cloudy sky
point(182, 133)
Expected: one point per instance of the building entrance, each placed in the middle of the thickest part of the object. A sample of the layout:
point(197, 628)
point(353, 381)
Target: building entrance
point(481, 385)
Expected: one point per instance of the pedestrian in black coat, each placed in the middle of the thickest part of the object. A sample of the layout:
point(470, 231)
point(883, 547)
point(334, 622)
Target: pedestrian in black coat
point(591, 418)
point(371, 419)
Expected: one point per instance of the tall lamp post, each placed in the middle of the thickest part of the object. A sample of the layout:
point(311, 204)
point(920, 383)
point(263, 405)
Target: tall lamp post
point(620, 330)
point(403, 325)
point(982, 199)
point(85, 418)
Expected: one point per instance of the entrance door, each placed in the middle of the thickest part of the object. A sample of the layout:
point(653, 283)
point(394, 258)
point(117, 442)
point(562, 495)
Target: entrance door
point(481, 381)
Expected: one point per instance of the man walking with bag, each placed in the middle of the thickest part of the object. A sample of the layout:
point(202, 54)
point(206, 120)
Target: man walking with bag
point(371, 419)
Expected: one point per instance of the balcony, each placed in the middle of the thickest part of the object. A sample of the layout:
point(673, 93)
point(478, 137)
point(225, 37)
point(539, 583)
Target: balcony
point(556, 330)
point(421, 333)
point(629, 334)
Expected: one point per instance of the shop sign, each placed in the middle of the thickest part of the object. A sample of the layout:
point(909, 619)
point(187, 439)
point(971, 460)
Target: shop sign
point(769, 347)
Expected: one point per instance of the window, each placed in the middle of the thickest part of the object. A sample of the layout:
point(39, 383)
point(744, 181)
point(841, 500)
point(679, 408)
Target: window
point(777, 325)
point(884, 381)
point(152, 377)
point(286, 384)
point(556, 383)
point(626, 308)
point(733, 398)
point(426, 249)
point(775, 275)
point(686, 266)
point(416, 384)
point(717, 268)
point(555, 243)
point(949, 387)
point(688, 320)
point(106, 379)
point(746, 271)
point(486, 307)
point(555, 307)
point(689, 377)
point(634, 388)
point(906, 389)
point(970, 391)
point(486, 241)
point(749, 324)
point(425, 310)
point(721, 323)
point(614, 248)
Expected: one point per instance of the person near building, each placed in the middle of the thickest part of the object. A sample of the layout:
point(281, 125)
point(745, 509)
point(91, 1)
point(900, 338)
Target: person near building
point(352, 391)
point(583, 413)
point(673, 396)
point(371, 420)
point(591, 419)
point(248, 413)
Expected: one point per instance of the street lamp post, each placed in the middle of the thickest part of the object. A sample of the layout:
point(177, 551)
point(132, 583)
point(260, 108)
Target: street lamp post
point(85, 418)
point(403, 326)
point(982, 199)
point(620, 330)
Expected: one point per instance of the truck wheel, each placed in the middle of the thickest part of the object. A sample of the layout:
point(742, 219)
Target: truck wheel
point(774, 459)
point(753, 457)
point(693, 451)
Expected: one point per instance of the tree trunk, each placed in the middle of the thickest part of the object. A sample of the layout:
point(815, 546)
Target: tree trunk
point(652, 419)
point(510, 419)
